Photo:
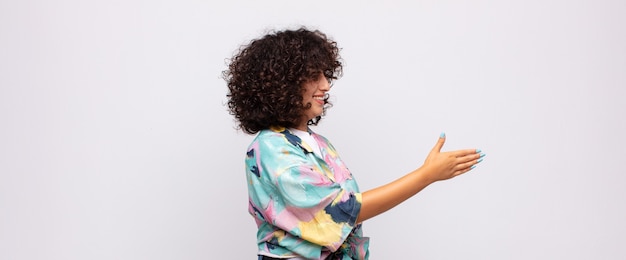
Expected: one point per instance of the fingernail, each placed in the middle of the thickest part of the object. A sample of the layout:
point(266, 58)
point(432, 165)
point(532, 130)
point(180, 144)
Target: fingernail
point(473, 166)
point(442, 135)
point(479, 160)
point(478, 150)
point(482, 155)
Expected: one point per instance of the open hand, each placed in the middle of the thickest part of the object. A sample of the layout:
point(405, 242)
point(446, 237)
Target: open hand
point(446, 165)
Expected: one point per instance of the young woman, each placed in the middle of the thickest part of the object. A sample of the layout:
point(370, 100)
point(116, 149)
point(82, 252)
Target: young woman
point(305, 201)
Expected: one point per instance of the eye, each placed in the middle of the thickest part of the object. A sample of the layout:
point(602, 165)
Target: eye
point(328, 75)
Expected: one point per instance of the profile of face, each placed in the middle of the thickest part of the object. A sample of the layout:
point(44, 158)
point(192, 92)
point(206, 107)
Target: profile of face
point(314, 92)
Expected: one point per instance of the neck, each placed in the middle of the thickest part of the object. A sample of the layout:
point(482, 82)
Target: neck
point(303, 126)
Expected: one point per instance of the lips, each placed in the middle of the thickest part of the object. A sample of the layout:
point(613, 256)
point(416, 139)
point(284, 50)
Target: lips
point(319, 98)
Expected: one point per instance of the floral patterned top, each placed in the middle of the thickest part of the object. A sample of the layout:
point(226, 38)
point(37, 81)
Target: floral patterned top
point(305, 205)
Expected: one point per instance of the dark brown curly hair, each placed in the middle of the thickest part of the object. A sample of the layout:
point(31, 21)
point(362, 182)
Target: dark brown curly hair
point(265, 78)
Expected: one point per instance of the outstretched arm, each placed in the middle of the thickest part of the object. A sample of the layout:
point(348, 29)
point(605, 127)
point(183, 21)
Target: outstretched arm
point(438, 166)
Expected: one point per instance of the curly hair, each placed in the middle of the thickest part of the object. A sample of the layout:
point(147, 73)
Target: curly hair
point(265, 78)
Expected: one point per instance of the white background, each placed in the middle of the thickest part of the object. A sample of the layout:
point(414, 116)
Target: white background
point(115, 142)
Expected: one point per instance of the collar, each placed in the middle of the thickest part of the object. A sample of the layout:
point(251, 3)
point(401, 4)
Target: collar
point(295, 139)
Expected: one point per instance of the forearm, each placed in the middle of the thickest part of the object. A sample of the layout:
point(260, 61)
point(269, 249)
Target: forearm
point(383, 198)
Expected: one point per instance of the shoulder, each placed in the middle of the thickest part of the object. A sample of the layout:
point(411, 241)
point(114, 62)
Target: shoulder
point(276, 136)
point(276, 139)
point(276, 149)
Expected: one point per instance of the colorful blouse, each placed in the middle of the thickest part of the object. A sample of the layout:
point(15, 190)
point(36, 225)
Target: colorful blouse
point(304, 205)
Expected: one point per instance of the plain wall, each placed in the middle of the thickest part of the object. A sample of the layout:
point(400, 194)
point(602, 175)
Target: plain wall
point(115, 142)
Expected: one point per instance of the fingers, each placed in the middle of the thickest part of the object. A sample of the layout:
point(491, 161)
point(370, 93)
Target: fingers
point(440, 142)
point(462, 172)
point(468, 155)
point(465, 152)
point(469, 165)
point(459, 162)
point(459, 153)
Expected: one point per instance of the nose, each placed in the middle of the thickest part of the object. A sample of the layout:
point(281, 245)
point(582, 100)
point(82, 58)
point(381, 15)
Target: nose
point(325, 84)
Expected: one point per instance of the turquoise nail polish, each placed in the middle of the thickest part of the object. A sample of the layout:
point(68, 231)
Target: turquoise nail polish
point(482, 155)
point(442, 135)
point(473, 166)
point(478, 151)
point(479, 160)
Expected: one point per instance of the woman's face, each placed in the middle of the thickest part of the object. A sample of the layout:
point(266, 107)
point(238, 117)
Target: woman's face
point(314, 93)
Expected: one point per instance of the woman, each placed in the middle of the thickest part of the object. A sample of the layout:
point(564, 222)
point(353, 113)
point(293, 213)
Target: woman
point(304, 199)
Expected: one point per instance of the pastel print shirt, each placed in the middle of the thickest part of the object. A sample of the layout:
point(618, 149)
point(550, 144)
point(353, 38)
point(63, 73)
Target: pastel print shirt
point(304, 204)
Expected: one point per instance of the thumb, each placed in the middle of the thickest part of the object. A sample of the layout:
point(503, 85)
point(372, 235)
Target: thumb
point(440, 142)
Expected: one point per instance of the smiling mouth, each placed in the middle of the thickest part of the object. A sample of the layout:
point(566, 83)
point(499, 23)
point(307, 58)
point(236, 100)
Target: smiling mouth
point(319, 99)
